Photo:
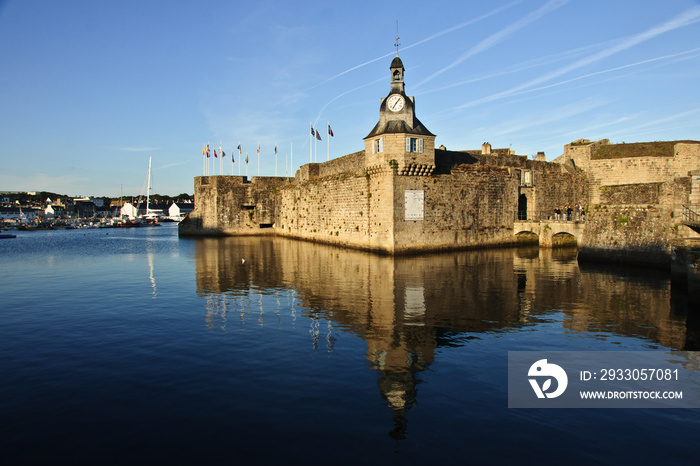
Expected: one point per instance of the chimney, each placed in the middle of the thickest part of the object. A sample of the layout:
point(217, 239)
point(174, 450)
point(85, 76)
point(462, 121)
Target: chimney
point(486, 149)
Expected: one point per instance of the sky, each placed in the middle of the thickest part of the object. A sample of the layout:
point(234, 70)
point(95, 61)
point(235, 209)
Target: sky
point(90, 90)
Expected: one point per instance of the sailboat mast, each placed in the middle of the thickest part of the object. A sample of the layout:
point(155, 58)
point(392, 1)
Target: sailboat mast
point(148, 189)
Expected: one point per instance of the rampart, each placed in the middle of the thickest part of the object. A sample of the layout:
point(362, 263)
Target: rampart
point(637, 198)
point(470, 200)
point(232, 205)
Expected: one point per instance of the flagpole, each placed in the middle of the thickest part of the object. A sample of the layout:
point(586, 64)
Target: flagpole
point(240, 156)
point(291, 157)
point(328, 137)
point(311, 149)
point(275, 158)
point(221, 158)
point(246, 164)
point(258, 158)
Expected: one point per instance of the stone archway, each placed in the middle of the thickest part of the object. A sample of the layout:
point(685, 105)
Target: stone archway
point(527, 237)
point(564, 240)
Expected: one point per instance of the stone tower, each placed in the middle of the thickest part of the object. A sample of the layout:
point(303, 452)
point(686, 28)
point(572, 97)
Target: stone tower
point(399, 140)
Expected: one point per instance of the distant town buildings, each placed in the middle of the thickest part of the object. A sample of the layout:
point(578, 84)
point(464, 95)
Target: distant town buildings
point(26, 207)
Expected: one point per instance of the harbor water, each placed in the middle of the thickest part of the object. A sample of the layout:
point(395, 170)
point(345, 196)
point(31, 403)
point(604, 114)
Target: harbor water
point(134, 346)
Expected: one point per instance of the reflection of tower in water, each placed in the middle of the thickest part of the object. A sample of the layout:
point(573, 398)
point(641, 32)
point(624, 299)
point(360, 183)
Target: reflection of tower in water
point(397, 385)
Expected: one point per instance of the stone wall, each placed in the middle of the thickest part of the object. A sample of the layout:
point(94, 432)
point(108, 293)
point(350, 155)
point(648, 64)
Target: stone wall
point(232, 205)
point(332, 209)
point(644, 193)
point(337, 202)
point(352, 163)
point(472, 207)
point(637, 234)
point(556, 186)
point(643, 170)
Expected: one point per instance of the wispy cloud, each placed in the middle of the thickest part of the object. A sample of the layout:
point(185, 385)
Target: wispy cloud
point(138, 149)
point(688, 17)
point(656, 123)
point(174, 164)
point(499, 36)
point(604, 125)
point(552, 115)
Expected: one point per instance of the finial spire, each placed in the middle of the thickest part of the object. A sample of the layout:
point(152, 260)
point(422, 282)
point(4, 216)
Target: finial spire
point(396, 44)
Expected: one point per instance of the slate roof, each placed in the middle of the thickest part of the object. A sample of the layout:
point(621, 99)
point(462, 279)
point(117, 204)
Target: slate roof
point(399, 126)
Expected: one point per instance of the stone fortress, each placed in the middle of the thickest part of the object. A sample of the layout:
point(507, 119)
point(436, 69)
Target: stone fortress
point(401, 195)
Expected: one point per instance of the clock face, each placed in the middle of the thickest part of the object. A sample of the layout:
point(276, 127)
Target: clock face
point(395, 102)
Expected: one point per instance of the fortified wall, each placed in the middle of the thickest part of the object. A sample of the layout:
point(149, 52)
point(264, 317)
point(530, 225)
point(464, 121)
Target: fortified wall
point(402, 195)
point(639, 195)
point(470, 200)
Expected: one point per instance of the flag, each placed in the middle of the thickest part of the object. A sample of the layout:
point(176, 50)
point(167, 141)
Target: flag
point(330, 131)
point(312, 131)
point(239, 149)
point(204, 151)
point(275, 149)
point(318, 135)
point(233, 159)
point(258, 148)
point(208, 151)
point(246, 158)
point(214, 153)
point(223, 154)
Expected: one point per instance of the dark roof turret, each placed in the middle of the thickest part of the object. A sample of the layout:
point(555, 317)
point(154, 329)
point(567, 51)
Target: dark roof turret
point(396, 63)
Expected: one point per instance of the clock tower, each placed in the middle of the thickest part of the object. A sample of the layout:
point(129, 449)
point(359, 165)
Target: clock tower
point(399, 140)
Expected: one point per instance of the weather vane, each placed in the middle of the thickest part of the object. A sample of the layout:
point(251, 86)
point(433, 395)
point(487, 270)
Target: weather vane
point(397, 38)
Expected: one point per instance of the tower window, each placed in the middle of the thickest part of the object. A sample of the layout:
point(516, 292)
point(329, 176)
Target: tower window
point(378, 145)
point(397, 76)
point(414, 145)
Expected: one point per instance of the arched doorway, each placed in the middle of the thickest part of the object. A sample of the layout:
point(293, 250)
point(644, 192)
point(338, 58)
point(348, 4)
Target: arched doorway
point(522, 207)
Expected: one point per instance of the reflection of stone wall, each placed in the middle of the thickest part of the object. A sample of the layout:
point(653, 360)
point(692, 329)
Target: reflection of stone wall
point(400, 306)
point(628, 305)
point(405, 308)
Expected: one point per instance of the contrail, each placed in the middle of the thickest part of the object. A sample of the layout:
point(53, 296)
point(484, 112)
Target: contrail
point(499, 36)
point(630, 65)
point(460, 26)
point(341, 95)
point(535, 63)
point(434, 36)
point(689, 17)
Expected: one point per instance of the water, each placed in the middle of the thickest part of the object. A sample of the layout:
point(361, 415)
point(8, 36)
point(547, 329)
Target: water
point(135, 346)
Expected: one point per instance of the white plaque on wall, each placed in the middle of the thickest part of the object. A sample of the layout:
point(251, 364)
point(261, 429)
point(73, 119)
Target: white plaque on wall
point(413, 201)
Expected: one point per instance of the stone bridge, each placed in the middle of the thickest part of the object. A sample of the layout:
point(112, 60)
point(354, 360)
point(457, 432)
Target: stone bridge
point(550, 231)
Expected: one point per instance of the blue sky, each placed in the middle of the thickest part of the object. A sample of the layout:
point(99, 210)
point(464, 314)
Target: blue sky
point(89, 90)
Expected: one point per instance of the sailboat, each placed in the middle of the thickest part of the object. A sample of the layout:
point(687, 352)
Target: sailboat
point(151, 217)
